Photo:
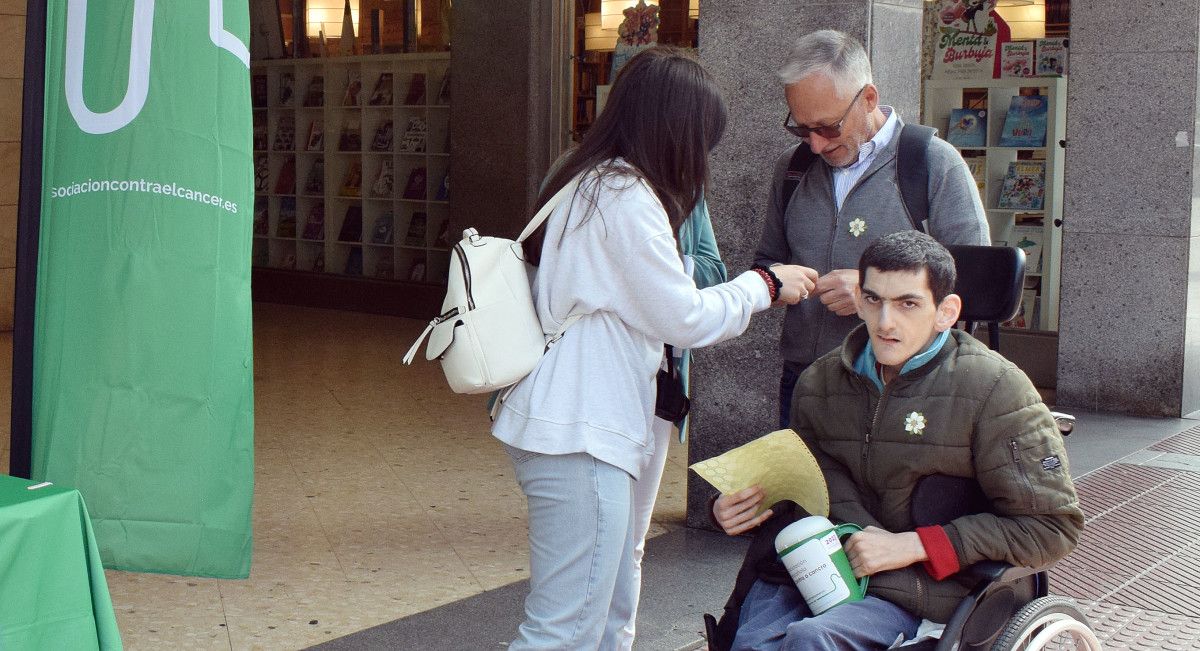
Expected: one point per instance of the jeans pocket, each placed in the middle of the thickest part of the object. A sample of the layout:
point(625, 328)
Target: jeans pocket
point(518, 455)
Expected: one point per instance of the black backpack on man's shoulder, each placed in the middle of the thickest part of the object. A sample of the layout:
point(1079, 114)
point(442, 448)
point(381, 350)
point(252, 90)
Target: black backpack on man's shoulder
point(912, 171)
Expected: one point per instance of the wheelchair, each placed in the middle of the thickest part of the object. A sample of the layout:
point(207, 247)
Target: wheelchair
point(1010, 608)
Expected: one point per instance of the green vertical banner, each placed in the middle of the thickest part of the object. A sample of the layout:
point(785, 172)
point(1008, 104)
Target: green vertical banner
point(142, 374)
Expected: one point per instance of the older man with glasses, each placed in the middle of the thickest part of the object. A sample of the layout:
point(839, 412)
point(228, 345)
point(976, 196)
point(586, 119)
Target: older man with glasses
point(827, 207)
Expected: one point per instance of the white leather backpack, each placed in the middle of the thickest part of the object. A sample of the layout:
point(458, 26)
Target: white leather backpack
point(488, 335)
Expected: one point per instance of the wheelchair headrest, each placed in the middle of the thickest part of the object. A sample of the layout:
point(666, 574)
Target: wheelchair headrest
point(990, 280)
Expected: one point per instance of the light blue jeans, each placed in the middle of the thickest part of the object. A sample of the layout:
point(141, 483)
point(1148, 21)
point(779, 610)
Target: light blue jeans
point(581, 545)
point(776, 618)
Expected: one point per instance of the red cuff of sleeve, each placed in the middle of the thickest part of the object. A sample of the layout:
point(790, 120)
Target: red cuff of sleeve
point(943, 561)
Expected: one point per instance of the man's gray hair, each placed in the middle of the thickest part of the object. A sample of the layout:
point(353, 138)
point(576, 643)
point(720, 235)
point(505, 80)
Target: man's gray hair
point(834, 54)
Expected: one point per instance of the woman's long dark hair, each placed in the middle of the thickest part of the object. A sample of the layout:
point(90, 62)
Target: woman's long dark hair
point(664, 115)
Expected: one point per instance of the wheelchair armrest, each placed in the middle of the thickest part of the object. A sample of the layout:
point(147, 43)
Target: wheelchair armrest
point(999, 572)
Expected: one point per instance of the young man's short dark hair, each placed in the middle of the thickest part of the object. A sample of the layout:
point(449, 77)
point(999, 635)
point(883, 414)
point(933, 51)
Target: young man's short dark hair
point(912, 251)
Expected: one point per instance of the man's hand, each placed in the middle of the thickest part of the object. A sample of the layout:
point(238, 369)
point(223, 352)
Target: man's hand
point(836, 290)
point(735, 513)
point(875, 550)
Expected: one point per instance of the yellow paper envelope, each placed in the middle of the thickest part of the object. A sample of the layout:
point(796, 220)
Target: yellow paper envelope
point(779, 462)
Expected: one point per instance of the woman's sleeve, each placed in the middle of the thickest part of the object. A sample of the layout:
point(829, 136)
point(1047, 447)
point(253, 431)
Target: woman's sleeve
point(698, 242)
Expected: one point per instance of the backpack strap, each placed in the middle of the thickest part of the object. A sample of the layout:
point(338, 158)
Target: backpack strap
point(912, 171)
point(544, 213)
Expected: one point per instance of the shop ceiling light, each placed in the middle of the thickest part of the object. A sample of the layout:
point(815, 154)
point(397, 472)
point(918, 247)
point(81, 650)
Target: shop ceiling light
point(693, 8)
point(595, 37)
point(612, 13)
point(1025, 21)
point(326, 16)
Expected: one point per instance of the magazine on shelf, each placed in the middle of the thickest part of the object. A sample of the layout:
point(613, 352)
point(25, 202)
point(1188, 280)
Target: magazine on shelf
point(416, 230)
point(414, 135)
point(383, 137)
point(314, 183)
point(415, 188)
point(442, 241)
point(1051, 57)
point(354, 262)
point(416, 90)
point(1024, 186)
point(382, 187)
point(285, 183)
point(353, 88)
point(351, 137)
point(258, 91)
point(314, 226)
point(1016, 59)
point(1026, 313)
point(285, 136)
point(260, 135)
point(286, 81)
point(1030, 239)
point(416, 272)
point(443, 97)
point(319, 262)
point(382, 94)
point(287, 218)
point(316, 135)
point(384, 268)
point(382, 232)
point(314, 97)
point(262, 173)
point(352, 181)
point(351, 226)
point(260, 215)
point(443, 191)
point(1025, 122)
point(978, 168)
point(967, 128)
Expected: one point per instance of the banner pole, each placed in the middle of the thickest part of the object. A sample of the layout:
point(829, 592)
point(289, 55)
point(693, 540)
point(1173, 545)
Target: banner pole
point(29, 216)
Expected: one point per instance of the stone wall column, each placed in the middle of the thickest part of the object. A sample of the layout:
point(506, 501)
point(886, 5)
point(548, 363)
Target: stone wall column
point(1129, 338)
point(743, 42)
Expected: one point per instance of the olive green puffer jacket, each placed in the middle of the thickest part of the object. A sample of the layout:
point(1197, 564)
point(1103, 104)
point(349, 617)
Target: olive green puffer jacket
point(982, 419)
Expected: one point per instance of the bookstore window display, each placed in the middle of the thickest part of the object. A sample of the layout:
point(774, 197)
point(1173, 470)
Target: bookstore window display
point(1010, 132)
point(352, 166)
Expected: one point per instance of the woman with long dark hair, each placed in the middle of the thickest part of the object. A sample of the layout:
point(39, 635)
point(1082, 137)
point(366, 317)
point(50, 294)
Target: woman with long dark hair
point(579, 427)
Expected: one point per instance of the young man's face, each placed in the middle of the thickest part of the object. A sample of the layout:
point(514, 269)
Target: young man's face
point(901, 316)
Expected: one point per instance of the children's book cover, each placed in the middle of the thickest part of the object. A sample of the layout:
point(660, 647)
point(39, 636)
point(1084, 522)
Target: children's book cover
point(1024, 186)
point(967, 128)
point(1025, 122)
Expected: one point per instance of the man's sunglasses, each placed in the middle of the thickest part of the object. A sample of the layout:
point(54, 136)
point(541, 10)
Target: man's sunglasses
point(828, 131)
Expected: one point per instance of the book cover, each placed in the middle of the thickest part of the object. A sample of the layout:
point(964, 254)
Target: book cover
point(319, 261)
point(416, 272)
point(443, 191)
point(351, 137)
point(1016, 59)
point(415, 188)
point(967, 128)
point(260, 135)
point(286, 227)
point(1025, 122)
point(416, 230)
point(316, 135)
point(978, 167)
point(382, 187)
point(315, 182)
point(260, 216)
point(258, 91)
point(352, 181)
point(383, 137)
point(285, 183)
point(286, 82)
point(315, 95)
point(416, 90)
point(262, 173)
point(382, 93)
point(353, 88)
point(442, 241)
point(1024, 186)
point(444, 91)
point(414, 135)
point(351, 226)
point(382, 232)
point(354, 262)
point(314, 226)
point(1051, 57)
point(384, 268)
point(1025, 313)
point(285, 136)
point(1030, 239)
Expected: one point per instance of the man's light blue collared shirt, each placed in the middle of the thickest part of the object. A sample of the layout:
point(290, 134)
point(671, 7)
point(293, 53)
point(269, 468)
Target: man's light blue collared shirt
point(844, 178)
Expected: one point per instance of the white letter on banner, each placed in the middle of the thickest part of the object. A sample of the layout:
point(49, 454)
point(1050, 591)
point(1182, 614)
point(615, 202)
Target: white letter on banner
point(222, 38)
point(139, 68)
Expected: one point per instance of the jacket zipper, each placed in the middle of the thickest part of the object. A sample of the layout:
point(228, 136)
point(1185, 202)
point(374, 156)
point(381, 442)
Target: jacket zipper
point(462, 262)
point(874, 424)
point(1024, 475)
point(920, 593)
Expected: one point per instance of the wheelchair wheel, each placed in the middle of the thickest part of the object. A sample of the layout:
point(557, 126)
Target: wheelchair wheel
point(1053, 623)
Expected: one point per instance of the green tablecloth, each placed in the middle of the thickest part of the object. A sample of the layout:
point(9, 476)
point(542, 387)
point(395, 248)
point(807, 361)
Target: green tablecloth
point(52, 589)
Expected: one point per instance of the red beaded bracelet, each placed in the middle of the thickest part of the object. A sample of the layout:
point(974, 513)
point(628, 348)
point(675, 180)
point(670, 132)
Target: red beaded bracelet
point(771, 289)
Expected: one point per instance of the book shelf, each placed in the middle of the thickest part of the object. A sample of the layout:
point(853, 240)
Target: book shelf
point(1008, 225)
point(344, 147)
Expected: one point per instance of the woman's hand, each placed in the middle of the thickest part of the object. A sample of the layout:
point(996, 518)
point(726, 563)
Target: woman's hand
point(797, 281)
point(735, 512)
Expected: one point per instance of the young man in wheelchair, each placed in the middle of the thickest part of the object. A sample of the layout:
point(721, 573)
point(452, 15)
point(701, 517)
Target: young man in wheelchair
point(905, 397)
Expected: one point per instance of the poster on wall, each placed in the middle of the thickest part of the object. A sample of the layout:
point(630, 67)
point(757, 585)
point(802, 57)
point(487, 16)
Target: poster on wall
point(142, 394)
point(969, 33)
point(639, 31)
